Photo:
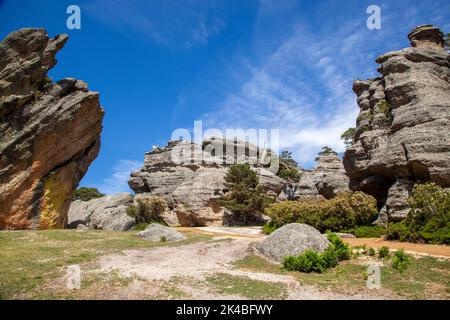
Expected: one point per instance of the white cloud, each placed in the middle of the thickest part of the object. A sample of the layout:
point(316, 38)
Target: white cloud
point(304, 88)
point(118, 181)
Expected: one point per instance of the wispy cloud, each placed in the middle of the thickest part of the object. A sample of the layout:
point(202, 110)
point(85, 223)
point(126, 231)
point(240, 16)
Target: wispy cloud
point(171, 23)
point(118, 181)
point(303, 87)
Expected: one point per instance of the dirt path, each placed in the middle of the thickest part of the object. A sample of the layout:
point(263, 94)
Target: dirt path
point(187, 268)
point(442, 251)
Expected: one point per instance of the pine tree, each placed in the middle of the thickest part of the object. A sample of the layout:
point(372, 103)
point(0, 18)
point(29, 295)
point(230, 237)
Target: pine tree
point(246, 196)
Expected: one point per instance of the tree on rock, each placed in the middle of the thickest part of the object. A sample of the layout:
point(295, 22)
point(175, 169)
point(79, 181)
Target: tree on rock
point(288, 167)
point(86, 194)
point(325, 152)
point(348, 136)
point(246, 196)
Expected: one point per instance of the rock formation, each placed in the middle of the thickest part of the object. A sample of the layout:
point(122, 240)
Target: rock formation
point(106, 213)
point(291, 240)
point(191, 177)
point(327, 179)
point(403, 129)
point(49, 132)
point(159, 233)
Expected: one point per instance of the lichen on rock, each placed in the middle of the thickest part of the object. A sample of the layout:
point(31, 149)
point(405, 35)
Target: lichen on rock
point(403, 130)
point(50, 132)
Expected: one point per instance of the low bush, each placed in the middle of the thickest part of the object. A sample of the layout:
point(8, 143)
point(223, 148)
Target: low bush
point(400, 261)
point(311, 261)
point(366, 231)
point(269, 227)
point(371, 252)
point(383, 252)
point(346, 210)
point(148, 210)
point(429, 218)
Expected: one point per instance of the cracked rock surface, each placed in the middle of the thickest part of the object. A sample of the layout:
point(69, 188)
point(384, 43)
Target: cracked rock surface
point(49, 132)
point(403, 129)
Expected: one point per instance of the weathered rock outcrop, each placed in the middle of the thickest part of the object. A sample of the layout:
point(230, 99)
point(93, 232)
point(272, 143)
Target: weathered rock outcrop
point(159, 233)
point(106, 213)
point(291, 240)
point(327, 179)
point(191, 177)
point(49, 132)
point(403, 129)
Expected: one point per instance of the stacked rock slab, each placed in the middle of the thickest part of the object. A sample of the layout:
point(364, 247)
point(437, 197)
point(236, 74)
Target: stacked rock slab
point(191, 177)
point(403, 129)
point(49, 132)
point(327, 179)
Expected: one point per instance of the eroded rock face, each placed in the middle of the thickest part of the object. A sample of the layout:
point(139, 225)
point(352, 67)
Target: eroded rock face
point(49, 132)
point(327, 179)
point(192, 187)
point(105, 213)
point(403, 129)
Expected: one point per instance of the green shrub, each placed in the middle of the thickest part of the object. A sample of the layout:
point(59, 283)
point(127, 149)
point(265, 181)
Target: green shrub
point(371, 252)
point(366, 231)
point(246, 196)
point(346, 210)
point(141, 226)
point(400, 261)
point(269, 227)
point(86, 194)
point(162, 239)
point(311, 261)
point(383, 252)
point(342, 249)
point(429, 217)
point(148, 210)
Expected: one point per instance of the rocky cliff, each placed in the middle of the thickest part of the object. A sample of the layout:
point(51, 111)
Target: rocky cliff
point(191, 177)
point(403, 129)
point(327, 179)
point(49, 132)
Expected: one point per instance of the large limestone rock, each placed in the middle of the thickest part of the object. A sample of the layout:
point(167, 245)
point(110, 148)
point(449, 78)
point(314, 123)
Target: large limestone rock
point(106, 213)
point(191, 177)
point(159, 233)
point(327, 179)
point(49, 132)
point(291, 240)
point(403, 129)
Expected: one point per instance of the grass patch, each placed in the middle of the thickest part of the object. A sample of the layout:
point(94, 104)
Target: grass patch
point(244, 286)
point(28, 258)
point(425, 278)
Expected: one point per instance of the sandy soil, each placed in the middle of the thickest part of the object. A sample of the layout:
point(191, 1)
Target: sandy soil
point(412, 248)
point(192, 264)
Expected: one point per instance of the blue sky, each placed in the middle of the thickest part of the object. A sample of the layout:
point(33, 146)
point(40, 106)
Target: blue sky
point(161, 65)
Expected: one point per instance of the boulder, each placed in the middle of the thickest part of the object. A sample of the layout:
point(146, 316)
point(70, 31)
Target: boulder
point(403, 129)
point(106, 213)
point(50, 132)
point(159, 233)
point(190, 177)
point(291, 240)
